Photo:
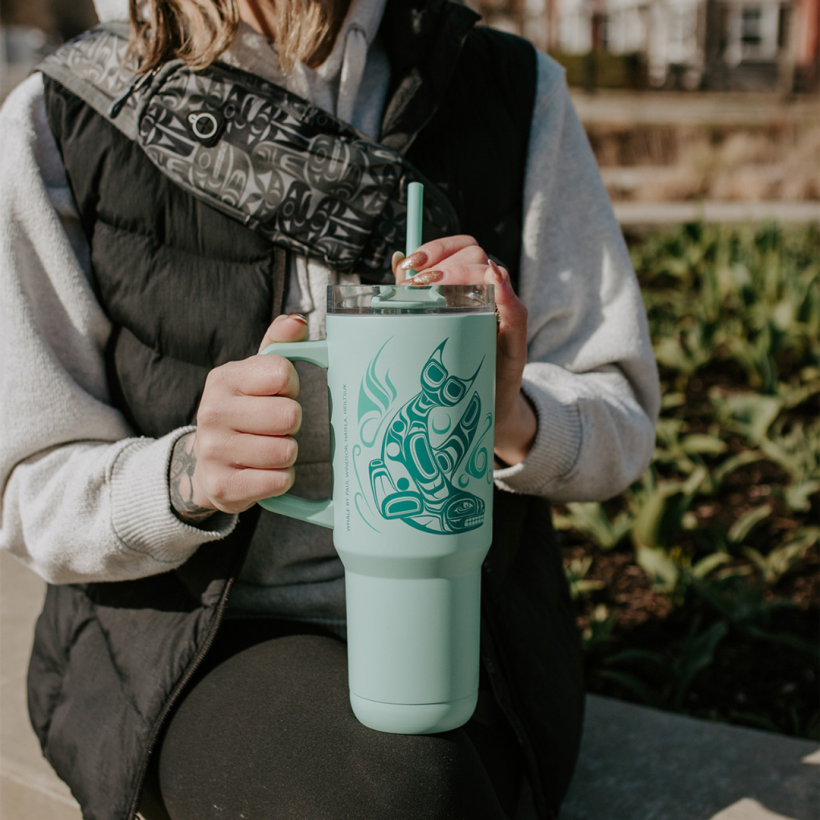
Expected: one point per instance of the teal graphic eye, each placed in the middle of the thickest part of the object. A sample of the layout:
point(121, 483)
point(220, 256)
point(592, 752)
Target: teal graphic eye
point(454, 390)
point(434, 374)
point(403, 484)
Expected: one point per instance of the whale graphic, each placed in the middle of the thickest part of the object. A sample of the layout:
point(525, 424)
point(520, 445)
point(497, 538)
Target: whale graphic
point(413, 480)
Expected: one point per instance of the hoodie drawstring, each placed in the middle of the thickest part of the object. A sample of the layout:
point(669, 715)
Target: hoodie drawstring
point(353, 62)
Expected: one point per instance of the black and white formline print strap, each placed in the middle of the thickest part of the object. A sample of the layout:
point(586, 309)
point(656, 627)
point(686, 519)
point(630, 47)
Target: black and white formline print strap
point(306, 180)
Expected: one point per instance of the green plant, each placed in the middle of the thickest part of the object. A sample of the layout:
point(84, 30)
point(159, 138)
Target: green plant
point(599, 629)
point(591, 519)
point(714, 551)
point(780, 560)
point(671, 675)
point(576, 570)
point(747, 522)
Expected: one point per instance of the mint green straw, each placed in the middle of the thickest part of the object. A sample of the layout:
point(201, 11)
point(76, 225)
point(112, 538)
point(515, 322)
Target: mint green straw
point(415, 204)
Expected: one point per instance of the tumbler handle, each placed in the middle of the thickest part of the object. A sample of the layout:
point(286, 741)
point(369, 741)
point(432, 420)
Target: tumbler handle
point(316, 512)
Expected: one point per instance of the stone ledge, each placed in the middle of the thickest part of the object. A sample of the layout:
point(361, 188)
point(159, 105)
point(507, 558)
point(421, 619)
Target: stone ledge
point(642, 764)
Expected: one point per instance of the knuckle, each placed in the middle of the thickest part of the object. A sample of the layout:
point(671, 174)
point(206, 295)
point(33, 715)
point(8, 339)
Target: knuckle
point(232, 489)
point(208, 416)
point(206, 447)
point(218, 490)
point(219, 377)
point(280, 372)
point(459, 274)
point(213, 379)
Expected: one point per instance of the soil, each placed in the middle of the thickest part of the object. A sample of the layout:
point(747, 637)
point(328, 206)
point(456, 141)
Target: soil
point(749, 681)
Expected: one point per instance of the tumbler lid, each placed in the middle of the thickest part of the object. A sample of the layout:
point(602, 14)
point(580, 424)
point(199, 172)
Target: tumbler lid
point(400, 299)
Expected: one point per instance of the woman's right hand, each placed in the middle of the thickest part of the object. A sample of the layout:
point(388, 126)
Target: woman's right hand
point(243, 448)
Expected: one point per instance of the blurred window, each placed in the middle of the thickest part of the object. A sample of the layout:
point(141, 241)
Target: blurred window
point(750, 28)
point(782, 27)
point(682, 37)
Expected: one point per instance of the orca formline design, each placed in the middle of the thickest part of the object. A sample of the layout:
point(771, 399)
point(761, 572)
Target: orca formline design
point(414, 479)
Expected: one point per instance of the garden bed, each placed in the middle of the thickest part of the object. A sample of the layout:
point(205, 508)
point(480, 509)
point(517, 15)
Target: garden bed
point(697, 589)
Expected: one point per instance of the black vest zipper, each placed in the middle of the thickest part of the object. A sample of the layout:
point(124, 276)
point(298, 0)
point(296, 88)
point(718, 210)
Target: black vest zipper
point(280, 280)
point(172, 700)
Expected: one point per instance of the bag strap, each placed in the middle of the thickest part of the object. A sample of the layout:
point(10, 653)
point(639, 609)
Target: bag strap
point(94, 66)
point(265, 157)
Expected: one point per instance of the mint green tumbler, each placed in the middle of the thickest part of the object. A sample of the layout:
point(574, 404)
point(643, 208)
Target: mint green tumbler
point(411, 385)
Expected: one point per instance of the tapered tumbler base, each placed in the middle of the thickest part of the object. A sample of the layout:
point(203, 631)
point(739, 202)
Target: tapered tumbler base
point(413, 718)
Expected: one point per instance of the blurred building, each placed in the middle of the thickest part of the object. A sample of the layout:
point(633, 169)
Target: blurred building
point(692, 44)
point(57, 19)
point(29, 29)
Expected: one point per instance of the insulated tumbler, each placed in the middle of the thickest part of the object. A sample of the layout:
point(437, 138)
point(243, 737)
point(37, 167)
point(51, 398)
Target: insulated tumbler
point(411, 386)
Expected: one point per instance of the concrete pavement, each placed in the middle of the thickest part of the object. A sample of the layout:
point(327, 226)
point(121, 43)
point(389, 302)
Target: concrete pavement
point(29, 789)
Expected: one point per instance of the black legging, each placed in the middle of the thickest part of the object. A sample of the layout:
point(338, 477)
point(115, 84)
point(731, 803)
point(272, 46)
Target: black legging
point(266, 732)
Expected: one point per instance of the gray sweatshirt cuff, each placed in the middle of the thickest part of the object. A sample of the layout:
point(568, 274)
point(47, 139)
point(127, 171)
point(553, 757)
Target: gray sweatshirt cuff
point(557, 441)
point(141, 506)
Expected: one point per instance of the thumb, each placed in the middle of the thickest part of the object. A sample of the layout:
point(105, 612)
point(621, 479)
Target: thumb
point(512, 315)
point(284, 328)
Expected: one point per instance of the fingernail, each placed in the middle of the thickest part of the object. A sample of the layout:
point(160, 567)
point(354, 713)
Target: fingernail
point(498, 274)
point(298, 317)
point(414, 261)
point(397, 257)
point(426, 278)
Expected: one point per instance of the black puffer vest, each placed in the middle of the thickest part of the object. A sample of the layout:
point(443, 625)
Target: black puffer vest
point(188, 289)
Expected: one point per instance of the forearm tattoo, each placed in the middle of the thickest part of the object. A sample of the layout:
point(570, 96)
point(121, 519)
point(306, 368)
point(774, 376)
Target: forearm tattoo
point(181, 478)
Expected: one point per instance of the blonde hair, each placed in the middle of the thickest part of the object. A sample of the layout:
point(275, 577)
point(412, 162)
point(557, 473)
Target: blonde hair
point(198, 31)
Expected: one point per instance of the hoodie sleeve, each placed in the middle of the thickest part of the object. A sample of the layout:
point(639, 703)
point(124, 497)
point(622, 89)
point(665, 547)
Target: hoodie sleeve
point(591, 374)
point(83, 498)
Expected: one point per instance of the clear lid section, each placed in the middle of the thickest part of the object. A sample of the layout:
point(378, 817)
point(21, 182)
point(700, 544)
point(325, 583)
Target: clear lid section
point(381, 300)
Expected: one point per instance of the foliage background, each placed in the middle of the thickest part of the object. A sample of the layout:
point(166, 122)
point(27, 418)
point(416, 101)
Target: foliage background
point(697, 589)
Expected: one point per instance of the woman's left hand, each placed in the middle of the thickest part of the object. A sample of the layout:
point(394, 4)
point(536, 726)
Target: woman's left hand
point(458, 260)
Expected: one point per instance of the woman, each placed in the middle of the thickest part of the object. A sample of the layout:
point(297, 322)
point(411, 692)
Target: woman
point(190, 652)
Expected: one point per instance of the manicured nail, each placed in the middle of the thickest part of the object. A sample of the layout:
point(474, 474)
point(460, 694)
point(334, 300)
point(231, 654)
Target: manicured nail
point(414, 261)
point(298, 317)
point(397, 257)
point(426, 278)
point(498, 274)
